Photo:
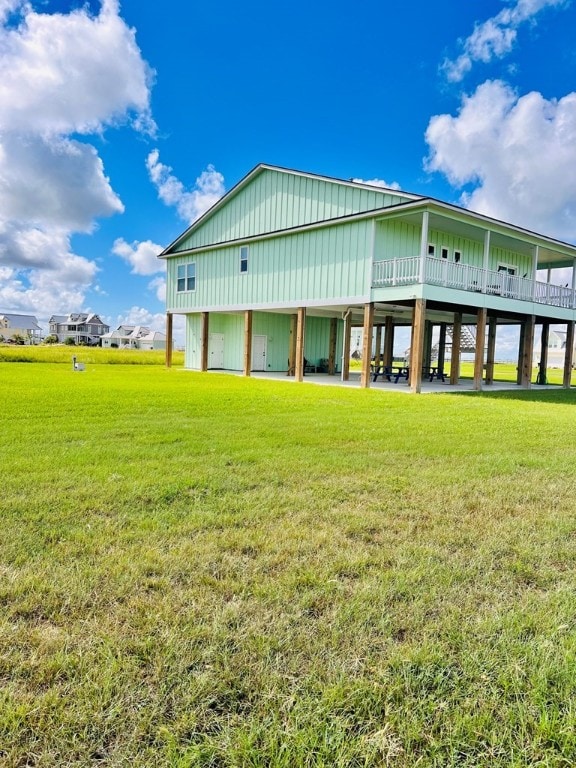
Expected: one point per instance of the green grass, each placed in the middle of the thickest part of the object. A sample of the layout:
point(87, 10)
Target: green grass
point(205, 570)
point(58, 353)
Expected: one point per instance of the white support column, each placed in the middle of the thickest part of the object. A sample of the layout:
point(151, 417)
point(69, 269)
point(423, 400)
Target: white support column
point(486, 259)
point(573, 284)
point(535, 269)
point(424, 244)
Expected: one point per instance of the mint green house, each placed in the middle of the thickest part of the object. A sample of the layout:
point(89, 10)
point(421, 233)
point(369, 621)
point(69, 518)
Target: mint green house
point(277, 273)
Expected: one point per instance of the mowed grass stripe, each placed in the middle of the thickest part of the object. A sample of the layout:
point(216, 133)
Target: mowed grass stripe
point(212, 571)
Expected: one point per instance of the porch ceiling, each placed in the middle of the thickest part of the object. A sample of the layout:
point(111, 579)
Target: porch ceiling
point(548, 257)
point(402, 313)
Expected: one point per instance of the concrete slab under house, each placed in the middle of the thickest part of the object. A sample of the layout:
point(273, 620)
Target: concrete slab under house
point(274, 277)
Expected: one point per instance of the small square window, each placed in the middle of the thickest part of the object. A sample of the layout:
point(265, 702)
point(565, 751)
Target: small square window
point(244, 258)
point(431, 250)
point(444, 253)
point(186, 278)
point(457, 256)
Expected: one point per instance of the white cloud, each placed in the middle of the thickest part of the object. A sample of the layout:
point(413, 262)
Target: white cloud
point(190, 204)
point(142, 316)
point(158, 285)
point(378, 183)
point(156, 321)
point(7, 7)
point(142, 256)
point(516, 152)
point(71, 72)
point(61, 76)
point(48, 291)
point(495, 37)
point(53, 183)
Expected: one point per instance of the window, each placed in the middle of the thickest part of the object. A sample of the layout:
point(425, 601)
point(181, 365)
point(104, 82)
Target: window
point(431, 249)
point(243, 258)
point(506, 268)
point(457, 256)
point(186, 280)
point(444, 253)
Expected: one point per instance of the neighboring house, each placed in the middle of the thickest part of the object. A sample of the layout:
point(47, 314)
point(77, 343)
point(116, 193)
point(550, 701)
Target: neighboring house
point(286, 263)
point(557, 339)
point(20, 325)
point(556, 347)
point(82, 327)
point(134, 337)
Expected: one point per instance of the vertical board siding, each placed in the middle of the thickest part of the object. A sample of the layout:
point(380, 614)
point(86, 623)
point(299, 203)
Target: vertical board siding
point(332, 262)
point(275, 200)
point(399, 240)
point(276, 328)
point(192, 348)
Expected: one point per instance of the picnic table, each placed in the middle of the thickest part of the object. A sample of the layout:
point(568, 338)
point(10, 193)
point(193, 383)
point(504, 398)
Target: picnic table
point(431, 372)
point(388, 371)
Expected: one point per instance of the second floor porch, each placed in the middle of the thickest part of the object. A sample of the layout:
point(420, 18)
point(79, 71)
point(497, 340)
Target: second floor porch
point(504, 282)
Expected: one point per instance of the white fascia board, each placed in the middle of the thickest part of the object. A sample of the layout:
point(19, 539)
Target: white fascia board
point(396, 211)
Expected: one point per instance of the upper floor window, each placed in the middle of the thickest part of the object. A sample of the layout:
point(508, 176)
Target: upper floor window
point(243, 258)
point(431, 249)
point(444, 253)
point(457, 256)
point(186, 278)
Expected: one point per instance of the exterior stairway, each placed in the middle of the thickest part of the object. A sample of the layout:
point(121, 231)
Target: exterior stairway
point(467, 340)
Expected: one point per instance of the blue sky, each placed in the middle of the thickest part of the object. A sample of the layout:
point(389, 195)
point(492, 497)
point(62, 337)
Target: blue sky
point(120, 123)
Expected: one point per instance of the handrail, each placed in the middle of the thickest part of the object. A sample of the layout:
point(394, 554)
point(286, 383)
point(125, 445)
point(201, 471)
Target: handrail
point(465, 277)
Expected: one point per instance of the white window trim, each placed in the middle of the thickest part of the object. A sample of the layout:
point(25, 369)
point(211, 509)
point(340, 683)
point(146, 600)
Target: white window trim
point(244, 248)
point(503, 264)
point(186, 278)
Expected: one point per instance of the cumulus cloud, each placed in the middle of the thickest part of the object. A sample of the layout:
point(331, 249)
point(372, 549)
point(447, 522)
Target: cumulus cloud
point(141, 316)
point(158, 286)
point(379, 183)
point(142, 256)
point(495, 37)
point(515, 152)
point(71, 73)
point(55, 290)
point(156, 321)
point(190, 204)
point(62, 76)
point(56, 183)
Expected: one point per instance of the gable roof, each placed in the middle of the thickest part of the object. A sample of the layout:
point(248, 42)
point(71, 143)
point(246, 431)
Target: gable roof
point(371, 197)
point(385, 202)
point(77, 317)
point(29, 322)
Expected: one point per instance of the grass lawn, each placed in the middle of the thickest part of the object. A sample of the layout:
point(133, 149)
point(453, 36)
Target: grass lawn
point(206, 570)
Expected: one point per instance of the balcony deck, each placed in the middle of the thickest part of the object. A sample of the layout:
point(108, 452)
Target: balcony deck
point(434, 271)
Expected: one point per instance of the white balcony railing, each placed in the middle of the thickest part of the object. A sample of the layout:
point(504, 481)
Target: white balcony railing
point(464, 277)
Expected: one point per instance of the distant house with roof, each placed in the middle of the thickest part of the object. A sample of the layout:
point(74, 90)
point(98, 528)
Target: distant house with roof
point(20, 325)
point(82, 327)
point(134, 337)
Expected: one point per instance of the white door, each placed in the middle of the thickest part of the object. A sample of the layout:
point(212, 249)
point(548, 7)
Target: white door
point(216, 350)
point(259, 349)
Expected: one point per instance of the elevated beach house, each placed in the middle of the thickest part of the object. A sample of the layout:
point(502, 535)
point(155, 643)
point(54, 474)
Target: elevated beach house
point(275, 275)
